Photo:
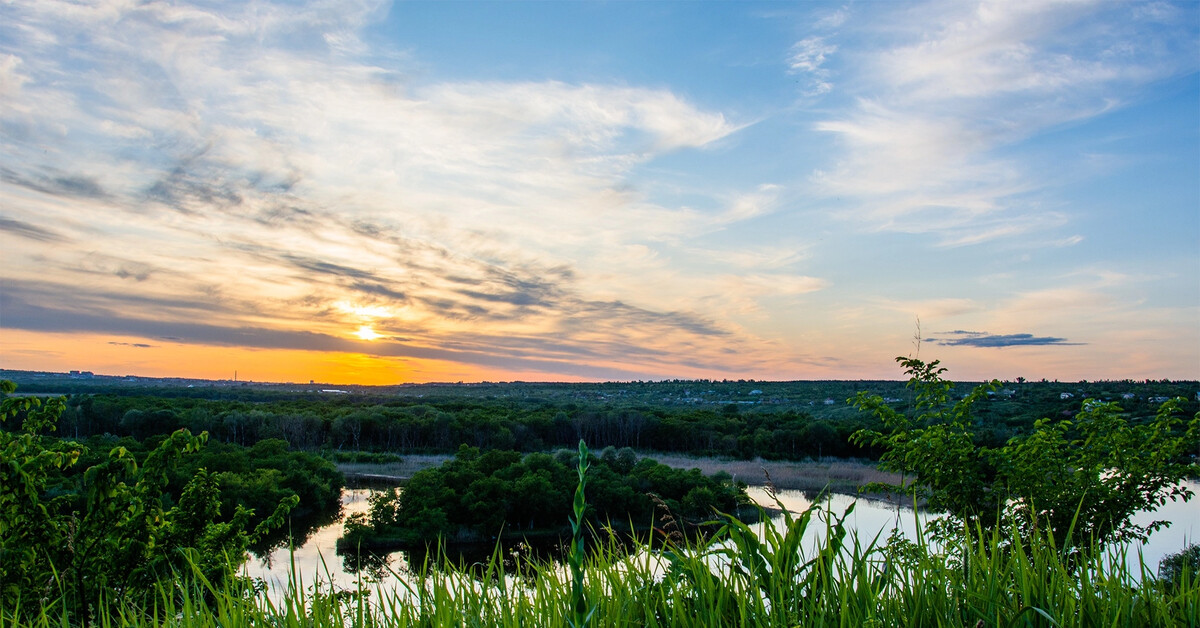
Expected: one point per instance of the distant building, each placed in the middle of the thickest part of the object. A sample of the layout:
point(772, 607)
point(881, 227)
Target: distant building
point(1066, 396)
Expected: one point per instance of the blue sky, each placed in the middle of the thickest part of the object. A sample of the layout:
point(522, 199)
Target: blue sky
point(430, 191)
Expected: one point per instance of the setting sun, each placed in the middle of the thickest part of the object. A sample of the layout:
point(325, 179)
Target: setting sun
point(431, 193)
point(366, 333)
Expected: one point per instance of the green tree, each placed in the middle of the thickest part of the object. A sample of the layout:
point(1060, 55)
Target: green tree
point(1080, 480)
point(27, 523)
point(115, 534)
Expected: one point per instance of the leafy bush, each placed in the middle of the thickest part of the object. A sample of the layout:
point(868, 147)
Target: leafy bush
point(116, 535)
point(1080, 480)
point(1175, 570)
point(479, 495)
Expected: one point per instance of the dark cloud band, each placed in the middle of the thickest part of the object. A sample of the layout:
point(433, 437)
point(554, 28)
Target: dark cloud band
point(997, 341)
point(20, 314)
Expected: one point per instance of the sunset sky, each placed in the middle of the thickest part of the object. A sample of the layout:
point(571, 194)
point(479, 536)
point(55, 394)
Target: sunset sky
point(372, 192)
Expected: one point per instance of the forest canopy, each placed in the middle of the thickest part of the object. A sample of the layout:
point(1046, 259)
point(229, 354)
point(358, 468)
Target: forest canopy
point(479, 496)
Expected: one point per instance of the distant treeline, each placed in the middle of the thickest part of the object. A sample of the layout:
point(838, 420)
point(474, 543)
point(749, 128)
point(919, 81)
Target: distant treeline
point(746, 420)
point(442, 427)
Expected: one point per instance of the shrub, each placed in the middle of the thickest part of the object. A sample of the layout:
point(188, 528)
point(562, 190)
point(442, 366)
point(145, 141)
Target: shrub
point(1081, 480)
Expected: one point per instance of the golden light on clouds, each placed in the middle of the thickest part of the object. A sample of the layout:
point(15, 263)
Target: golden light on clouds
point(365, 312)
point(271, 204)
point(367, 333)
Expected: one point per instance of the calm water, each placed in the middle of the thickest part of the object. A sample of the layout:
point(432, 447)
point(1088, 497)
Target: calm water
point(317, 559)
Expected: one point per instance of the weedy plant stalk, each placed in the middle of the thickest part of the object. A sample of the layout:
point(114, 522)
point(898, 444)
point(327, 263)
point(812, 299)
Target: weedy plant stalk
point(581, 613)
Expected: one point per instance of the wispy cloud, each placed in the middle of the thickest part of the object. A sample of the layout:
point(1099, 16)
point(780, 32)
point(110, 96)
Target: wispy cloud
point(933, 112)
point(932, 309)
point(808, 57)
point(277, 179)
point(57, 184)
point(26, 230)
point(278, 175)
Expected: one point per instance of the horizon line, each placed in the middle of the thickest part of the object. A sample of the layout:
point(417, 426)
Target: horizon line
point(83, 375)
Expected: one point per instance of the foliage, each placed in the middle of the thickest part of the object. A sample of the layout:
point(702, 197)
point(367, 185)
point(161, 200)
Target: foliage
point(27, 523)
point(768, 575)
point(478, 496)
point(730, 580)
point(255, 478)
point(1081, 480)
point(116, 533)
point(784, 420)
point(262, 475)
point(581, 612)
point(1178, 569)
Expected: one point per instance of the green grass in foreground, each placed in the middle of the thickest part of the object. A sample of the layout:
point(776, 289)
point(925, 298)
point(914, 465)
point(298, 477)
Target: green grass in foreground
point(737, 578)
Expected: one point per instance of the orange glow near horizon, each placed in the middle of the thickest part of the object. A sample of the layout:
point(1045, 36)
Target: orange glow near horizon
point(116, 355)
point(131, 355)
point(110, 355)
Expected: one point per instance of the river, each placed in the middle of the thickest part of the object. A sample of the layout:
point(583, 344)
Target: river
point(317, 560)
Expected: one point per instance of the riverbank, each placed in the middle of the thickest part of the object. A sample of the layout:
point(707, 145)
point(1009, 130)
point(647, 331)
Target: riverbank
point(839, 475)
point(394, 472)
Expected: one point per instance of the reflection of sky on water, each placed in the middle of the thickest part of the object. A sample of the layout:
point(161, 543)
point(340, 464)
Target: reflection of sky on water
point(1184, 529)
point(869, 517)
point(877, 517)
point(317, 559)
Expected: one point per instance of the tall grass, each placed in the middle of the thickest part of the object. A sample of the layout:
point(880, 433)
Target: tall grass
point(742, 576)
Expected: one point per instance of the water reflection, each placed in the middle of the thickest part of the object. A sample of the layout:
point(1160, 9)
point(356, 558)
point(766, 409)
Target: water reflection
point(298, 532)
point(871, 520)
point(371, 566)
point(512, 555)
point(316, 558)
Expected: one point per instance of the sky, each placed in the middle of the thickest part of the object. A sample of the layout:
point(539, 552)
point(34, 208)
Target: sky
point(381, 192)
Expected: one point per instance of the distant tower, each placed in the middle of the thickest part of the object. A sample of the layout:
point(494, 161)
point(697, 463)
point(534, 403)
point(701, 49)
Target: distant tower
point(235, 376)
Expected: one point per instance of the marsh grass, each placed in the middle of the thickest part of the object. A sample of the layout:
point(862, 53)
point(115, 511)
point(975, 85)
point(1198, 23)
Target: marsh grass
point(743, 576)
point(840, 475)
point(396, 470)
